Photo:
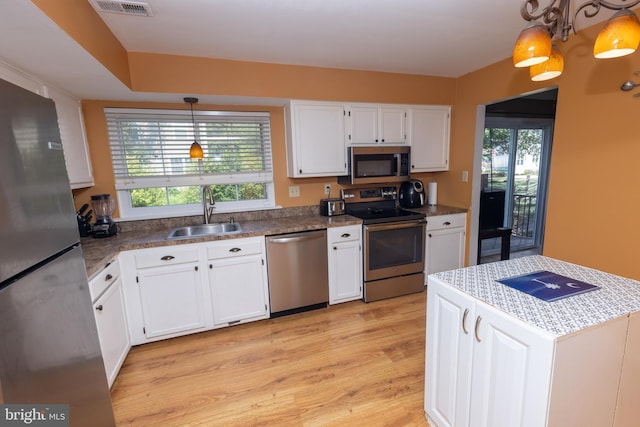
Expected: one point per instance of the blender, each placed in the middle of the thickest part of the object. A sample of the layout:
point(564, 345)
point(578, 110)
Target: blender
point(103, 207)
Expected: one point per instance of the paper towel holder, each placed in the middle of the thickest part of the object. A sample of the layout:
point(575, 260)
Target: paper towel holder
point(432, 196)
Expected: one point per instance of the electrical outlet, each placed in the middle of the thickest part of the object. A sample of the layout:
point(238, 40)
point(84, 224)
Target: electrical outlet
point(294, 191)
point(327, 189)
point(465, 176)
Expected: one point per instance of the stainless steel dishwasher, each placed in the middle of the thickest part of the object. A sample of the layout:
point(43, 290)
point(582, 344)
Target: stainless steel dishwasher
point(297, 268)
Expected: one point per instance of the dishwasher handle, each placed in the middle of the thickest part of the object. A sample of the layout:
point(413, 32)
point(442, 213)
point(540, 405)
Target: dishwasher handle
point(297, 237)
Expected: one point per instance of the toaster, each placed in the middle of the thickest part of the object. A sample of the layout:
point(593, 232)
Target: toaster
point(331, 207)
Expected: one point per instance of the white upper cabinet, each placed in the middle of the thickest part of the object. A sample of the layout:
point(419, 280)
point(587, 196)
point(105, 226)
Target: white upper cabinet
point(74, 141)
point(72, 133)
point(315, 139)
point(376, 124)
point(428, 134)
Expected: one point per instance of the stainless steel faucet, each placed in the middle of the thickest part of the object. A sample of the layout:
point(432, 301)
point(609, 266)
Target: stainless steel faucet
point(208, 202)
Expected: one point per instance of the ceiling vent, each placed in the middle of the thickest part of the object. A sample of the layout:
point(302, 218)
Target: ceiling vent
point(125, 7)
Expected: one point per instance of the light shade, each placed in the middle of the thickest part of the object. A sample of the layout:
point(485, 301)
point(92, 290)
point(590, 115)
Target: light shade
point(619, 37)
point(533, 46)
point(550, 68)
point(195, 152)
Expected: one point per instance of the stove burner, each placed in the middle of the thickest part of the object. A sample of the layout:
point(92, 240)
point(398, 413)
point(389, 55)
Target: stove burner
point(376, 215)
point(377, 205)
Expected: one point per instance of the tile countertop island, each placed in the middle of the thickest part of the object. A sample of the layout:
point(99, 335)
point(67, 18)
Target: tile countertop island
point(498, 356)
point(616, 297)
point(152, 233)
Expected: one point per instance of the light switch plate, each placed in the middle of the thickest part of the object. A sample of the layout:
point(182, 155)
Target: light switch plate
point(465, 176)
point(294, 191)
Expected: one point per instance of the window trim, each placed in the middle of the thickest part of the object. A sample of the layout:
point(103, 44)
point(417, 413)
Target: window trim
point(123, 185)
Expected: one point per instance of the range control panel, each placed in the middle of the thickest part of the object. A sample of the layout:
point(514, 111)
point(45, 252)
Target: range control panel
point(369, 194)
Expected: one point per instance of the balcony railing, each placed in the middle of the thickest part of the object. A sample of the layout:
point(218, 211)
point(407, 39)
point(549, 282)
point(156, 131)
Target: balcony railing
point(524, 215)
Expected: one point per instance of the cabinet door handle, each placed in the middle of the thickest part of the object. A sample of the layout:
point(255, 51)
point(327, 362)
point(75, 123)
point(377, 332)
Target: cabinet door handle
point(167, 258)
point(196, 267)
point(108, 277)
point(99, 308)
point(429, 234)
point(478, 320)
point(464, 321)
point(335, 249)
point(235, 250)
point(345, 235)
point(446, 223)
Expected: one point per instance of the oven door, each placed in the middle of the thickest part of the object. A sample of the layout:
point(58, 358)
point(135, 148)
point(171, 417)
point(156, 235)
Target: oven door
point(393, 249)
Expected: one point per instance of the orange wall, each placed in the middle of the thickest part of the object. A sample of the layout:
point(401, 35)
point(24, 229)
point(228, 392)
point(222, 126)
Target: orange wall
point(594, 195)
point(78, 19)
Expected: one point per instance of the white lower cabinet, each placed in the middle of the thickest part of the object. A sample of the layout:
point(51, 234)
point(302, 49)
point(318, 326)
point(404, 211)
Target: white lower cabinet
point(444, 243)
point(111, 319)
point(182, 289)
point(164, 292)
point(172, 300)
point(345, 263)
point(487, 368)
point(238, 281)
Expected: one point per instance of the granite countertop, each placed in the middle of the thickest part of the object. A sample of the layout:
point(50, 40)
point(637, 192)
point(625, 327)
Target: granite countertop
point(152, 233)
point(617, 296)
point(99, 252)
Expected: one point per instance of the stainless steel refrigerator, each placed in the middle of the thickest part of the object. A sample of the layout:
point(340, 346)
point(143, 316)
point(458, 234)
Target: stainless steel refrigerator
point(49, 348)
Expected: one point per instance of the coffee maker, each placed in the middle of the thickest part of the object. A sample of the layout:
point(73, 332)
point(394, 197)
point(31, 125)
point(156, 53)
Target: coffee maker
point(103, 207)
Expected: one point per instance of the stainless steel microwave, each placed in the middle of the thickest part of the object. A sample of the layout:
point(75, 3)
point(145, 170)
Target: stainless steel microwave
point(377, 164)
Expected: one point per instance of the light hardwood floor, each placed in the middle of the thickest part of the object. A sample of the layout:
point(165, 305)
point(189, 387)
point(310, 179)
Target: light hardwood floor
point(351, 364)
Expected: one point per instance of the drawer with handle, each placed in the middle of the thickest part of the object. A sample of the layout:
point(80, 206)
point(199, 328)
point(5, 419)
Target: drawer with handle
point(446, 221)
point(101, 281)
point(343, 234)
point(169, 255)
point(235, 247)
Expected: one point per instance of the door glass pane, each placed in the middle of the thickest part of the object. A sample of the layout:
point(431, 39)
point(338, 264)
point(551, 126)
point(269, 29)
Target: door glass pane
point(495, 158)
point(512, 165)
point(525, 186)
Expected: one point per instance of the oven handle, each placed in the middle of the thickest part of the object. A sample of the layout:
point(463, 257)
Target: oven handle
point(395, 225)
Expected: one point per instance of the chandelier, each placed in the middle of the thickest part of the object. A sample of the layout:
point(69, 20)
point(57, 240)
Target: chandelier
point(536, 46)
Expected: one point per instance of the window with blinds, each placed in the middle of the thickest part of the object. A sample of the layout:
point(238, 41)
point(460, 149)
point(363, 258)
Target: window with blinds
point(154, 175)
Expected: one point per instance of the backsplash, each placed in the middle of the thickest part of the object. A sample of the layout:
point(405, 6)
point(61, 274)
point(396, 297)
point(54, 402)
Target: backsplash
point(165, 223)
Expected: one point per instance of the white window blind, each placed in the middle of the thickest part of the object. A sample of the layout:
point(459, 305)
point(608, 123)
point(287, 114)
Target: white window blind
point(151, 147)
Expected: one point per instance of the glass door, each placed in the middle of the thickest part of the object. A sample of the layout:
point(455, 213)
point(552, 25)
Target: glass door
point(515, 160)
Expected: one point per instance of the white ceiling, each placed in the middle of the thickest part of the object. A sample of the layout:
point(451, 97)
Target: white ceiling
point(429, 37)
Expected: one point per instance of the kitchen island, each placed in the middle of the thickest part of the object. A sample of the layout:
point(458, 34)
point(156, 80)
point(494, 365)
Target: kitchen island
point(497, 356)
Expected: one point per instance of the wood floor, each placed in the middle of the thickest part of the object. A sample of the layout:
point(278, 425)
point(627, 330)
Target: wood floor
point(351, 364)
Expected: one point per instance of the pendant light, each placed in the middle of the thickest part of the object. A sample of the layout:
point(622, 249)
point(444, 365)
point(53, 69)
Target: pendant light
point(195, 152)
point(533, 46)
point(549, 69)
point(556, 20)
point(619, 37)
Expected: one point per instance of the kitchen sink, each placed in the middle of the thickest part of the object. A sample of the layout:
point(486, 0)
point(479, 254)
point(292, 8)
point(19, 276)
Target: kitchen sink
point(217, 229)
